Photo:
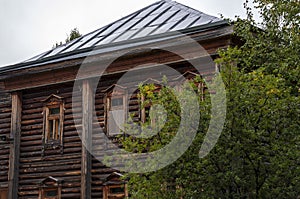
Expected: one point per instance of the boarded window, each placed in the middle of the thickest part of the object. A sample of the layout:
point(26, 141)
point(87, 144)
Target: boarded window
point(115, 114)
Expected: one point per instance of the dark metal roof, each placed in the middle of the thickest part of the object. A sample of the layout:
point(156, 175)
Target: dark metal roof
point(156, 19)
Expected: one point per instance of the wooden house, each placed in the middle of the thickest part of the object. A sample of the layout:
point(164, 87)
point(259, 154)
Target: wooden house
point(44, 120)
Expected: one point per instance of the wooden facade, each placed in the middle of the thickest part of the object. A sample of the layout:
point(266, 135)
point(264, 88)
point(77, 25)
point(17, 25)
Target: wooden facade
point(31, 165)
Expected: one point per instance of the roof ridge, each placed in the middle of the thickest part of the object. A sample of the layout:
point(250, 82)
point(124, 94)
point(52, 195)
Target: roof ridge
point(105, 27)
point(189, 9)
point(180, 5)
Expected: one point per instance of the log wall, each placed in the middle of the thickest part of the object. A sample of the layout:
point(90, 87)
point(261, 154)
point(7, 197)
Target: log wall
point(34, 166)
point(5, 124)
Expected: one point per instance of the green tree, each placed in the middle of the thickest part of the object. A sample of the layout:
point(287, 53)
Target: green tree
point(274, 43)
point(74, 34)
point(258, 153)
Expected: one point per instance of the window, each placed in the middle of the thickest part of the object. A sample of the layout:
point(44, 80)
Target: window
point(116, 191)
point(195, 80)
point(148, 110)
point(53, 122)
point(3, 193)
point(145, 109)
point(52, 129)
point(50, 188)
point(50, 193)
point(115, 187)
point(115, 114)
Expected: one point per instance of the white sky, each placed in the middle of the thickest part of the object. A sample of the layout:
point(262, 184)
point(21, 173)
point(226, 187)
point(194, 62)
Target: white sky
point(30, 27)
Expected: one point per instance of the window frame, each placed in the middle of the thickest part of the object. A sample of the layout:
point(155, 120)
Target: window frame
point(56, 119)
point(114, 180)
point(114, 92)
point(145, 109)
point(107, 194)
point(189, 76)
point(45, 190)
point(50, 184)
point(53, 139)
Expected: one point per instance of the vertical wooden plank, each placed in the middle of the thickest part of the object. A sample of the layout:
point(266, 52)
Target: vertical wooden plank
point(87, 118)
point(15, 133)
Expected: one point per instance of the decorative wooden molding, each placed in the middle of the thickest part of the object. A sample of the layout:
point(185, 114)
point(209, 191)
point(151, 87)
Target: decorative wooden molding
point(187, 75)
point(152, 81)
point(114, 87)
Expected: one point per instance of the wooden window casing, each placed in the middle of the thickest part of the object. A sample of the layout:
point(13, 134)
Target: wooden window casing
point(50, 188)
point(115, 110)
point(53, 122)
point(3, 193)
point(118, 191)
point(200, 86)
point(51, 193)
point(114, 187)
point(146, 108)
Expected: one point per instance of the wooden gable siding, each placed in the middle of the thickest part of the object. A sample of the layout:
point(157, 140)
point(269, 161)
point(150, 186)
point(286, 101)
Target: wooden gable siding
point(5, 124)
point(34, 166)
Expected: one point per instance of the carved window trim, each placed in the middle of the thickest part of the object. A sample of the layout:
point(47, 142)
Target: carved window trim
point(115, 104)
point(53, 122)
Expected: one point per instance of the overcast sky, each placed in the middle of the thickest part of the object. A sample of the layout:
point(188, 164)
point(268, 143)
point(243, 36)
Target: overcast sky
point(30, 27)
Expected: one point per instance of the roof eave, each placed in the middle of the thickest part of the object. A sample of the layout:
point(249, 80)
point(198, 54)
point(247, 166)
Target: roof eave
point(82, 53)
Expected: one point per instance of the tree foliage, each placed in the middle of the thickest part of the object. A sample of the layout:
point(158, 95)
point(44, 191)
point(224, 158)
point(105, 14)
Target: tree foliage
point(258, 153)
point(74, 34)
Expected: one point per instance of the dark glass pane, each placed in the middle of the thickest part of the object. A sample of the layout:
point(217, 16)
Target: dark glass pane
point(116, 101)
point(54, 111)
point(51, 193)
point(50, 134)
point(117, 190)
